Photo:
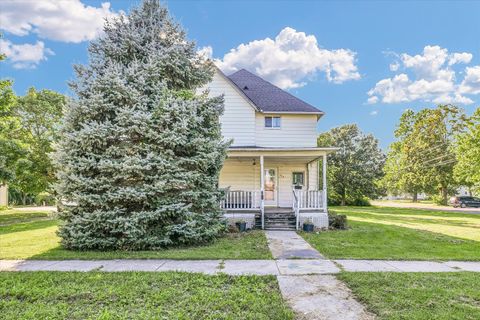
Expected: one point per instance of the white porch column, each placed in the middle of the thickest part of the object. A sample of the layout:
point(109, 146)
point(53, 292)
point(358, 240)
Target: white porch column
point(324, 176)
point(262, 191)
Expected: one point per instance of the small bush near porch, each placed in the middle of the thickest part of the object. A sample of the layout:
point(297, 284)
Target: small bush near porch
point(147, 295)
point(32, 235)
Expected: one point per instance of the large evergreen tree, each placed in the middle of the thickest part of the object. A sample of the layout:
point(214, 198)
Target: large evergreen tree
point(141, 150)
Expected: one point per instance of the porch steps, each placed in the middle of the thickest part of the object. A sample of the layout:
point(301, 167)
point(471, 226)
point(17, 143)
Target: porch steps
point(282, 220)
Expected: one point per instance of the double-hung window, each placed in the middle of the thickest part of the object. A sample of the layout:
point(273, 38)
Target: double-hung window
point(272, 122)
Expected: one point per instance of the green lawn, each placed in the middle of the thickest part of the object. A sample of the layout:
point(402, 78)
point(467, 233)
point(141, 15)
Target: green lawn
point(32, 235)
point(403, 234)
point(423, 296)
point(147, 295)
point(460, 225)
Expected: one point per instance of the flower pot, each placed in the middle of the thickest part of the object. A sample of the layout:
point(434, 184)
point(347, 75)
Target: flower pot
point(308, 227)
point(242, 226)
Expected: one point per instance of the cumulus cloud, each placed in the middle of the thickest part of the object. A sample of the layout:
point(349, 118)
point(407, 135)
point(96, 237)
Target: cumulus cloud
point(291, 59)
point(429, 77)
point(24, 56)
point(66, 21)
point(463, 57)
point(471, 82)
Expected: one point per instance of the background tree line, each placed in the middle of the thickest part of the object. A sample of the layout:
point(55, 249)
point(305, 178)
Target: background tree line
point(435, 152)
point(28, 129)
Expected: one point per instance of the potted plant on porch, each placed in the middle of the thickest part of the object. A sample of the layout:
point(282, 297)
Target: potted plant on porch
point(241, 225)
point(308, 225)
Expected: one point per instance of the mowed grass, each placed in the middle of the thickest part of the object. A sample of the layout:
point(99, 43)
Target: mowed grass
point(392, 233)
point(413, 296)
point(147, 295)
point(460, 225)
point(32, 235)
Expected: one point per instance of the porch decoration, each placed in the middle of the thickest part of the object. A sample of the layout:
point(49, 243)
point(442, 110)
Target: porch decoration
point(141, 150)
point(308, 226)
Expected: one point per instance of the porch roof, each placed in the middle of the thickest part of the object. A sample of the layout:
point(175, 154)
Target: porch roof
point(309, 153)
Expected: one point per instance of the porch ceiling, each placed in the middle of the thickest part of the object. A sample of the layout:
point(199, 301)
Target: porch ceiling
point(280, 154)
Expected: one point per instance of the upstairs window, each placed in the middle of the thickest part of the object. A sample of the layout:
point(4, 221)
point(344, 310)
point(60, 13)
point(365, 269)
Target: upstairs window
point(272, 122)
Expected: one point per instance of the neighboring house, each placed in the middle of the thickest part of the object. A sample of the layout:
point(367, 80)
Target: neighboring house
point(272, 172)
point(3, 195)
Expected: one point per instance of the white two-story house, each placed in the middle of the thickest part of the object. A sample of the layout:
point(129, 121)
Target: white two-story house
point(274, 172)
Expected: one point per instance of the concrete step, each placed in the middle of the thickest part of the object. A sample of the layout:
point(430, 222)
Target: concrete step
point(280, 228)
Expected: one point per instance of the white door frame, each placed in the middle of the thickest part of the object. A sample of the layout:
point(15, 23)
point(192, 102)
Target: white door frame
point(272, 203)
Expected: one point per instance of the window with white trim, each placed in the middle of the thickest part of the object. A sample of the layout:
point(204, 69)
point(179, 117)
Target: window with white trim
point(272, 122)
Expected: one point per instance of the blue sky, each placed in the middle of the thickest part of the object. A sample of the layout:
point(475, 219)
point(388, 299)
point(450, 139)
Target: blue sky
point(331, 54)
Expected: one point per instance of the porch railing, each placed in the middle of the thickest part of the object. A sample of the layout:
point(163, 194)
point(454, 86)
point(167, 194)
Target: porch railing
point(306, 199)
point(296, 208)
point(241, 200)
point(309, 199)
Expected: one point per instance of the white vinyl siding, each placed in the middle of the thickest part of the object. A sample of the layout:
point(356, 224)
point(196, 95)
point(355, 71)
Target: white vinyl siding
point(238, 119)
point(313, 177)
point(240, 175)
point(295, 131)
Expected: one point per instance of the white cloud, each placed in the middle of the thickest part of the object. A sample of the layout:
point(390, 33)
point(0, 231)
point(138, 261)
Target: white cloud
point(463, 57)
point(67, 21)
point(428, 77)
point(471, 82)
point(374, 112)
point(291, 59)
point(25, 56)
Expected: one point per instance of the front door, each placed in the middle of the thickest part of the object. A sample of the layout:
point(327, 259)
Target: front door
point(270, 186)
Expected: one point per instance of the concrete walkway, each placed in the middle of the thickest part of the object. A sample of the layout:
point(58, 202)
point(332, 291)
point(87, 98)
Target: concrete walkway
point(289, 245)
point(310, 295)
point(321, 297)
point(288, 267)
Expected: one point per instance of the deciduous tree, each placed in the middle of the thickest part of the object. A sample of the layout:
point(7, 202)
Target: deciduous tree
point(467, 150)
point(354, 169)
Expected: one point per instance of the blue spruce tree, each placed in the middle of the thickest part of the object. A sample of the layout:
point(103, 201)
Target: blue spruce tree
point(141, 149)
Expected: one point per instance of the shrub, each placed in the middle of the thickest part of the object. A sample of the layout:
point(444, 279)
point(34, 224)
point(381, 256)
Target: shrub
point(361, 202)
point(337, 221)
point(437, 199)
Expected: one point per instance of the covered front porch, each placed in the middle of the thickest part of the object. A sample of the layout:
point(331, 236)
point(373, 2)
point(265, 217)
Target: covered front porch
point(275, 181)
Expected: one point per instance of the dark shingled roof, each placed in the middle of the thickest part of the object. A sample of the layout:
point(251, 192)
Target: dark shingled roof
point(266, 96)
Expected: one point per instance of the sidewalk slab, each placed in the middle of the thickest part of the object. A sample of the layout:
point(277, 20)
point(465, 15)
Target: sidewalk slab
point(34, 265)
point(321, 297)
point(464, 265)
point(303, 267)
point(202, 266)
point(366, 266)
point(245, 267)
point(9, 265)
point(289, 245)
point(420, 266)
point(74, 265)
point(132, 265)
